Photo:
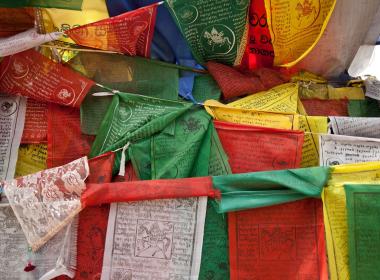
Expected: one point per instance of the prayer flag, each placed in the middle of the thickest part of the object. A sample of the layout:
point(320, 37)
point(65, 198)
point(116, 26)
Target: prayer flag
point(129, 33)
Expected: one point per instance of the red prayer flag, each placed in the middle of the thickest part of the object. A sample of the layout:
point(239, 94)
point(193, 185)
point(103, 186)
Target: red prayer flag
point(130, 33)
point(321, 107)
point(259, 52)
point(234, 83)
point(35, 127)
point(33, 75)
point(251, 148)
point(285, 241)
point(65, 139)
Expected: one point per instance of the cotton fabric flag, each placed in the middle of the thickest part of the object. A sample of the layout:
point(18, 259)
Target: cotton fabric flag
point(296, 27)
point(215, 30)
point(33, 75)
point(36, 126)
point(59, 4)
point(335, 212)
point(129, 33)
point(14, 21)
point(363, 229)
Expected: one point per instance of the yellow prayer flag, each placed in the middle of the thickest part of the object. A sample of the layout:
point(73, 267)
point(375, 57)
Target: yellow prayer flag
point(335, 213)
point(62, 20)
point(296, 26)
point(228, 113)
point(310, 148)
point(282, 99)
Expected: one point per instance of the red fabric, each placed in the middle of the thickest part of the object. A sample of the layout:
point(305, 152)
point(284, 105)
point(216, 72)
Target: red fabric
point(96, 194)
point(33, 75)
point(285, 241)
point(13, 21)
point(259, 52)
point(234, 83)
point(251, 148)
point(101, 168)
point(35, 128)
point(129, 33)
point(65, 139)
point(319, 107)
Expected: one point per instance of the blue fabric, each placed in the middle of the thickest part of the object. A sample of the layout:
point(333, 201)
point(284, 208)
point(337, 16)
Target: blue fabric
point(168, 43)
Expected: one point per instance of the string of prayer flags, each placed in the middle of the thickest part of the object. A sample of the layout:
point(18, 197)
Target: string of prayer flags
point(129, 33)
point(215, 30)
point(296, 27)
point(278, 242)
point(24, 41)
point(59, 4)
point(273, 148)
point(363, 229)
point(234, 83)
point(259, 52)
point(338, 149)
point(265, 188)
point(12, 117)
point(362, 127)
point(335, 211)
point(36, 126)
point(65, 142)
point(37, 198)
point(33, 75)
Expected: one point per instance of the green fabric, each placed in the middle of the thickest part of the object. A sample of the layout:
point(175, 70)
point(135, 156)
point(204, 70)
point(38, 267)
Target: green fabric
point(363, 108)
point(214, 262)
point(59, 4)
point(181, 150)
point(123, 73)
point(258, 189)
point(213, 29)
point(132, 117)
point(363, 211)
point(187, 152)
point(205, 88)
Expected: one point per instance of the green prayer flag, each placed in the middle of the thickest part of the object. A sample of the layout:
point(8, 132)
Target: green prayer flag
point(363, 211)
point(59, 4)
point(123, 73)
point(259, 189)
point(205, 88)
point(363, 108)
point(214, 29)
point(132, 117)
point(215, 262)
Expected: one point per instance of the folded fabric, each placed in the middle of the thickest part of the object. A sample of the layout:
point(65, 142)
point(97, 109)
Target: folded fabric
point(234, 83)
point(259, 189)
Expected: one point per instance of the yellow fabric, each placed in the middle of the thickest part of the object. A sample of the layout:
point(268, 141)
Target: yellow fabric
point(228, 113)
point(310, 148)
point(31, 159)
point(335, 213)
point(296, 27)
point(282, 99)
point(61, 20)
